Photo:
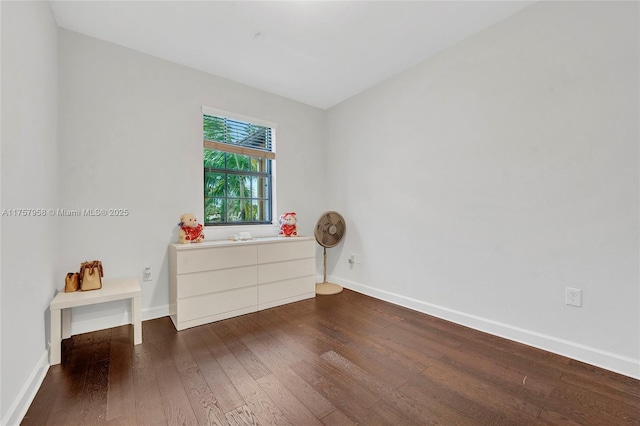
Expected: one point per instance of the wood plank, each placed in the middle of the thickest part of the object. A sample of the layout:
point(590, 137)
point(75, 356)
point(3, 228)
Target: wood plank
point(203, 401)
point(585, 406)
point(264, 409)
point(247, 358)
point(121, 396)
point(337, 418)
point(385, 392)
point(172, 350)
point(372, 361)
point(225, 393)
point(83, 351)
point(157, 329)
point(274, 356)
point(342, 359)
point(348, 399)
point(373, 348)
point(442, 405)
point(176, 404)
point(297, 345)
point(483, 393)
point(607, 381)
point(149, 407)
point(95, 393)
point(97, 343)
point(291, 407)
point(383, 414)
point(242, 416)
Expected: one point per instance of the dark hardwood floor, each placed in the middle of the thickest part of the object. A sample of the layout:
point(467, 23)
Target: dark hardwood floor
point(333, 360)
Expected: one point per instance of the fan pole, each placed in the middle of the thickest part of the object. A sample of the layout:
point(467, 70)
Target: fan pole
point(324, 268)
point(324, 288)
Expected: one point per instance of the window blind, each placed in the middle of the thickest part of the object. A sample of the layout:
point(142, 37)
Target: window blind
point(238, 137)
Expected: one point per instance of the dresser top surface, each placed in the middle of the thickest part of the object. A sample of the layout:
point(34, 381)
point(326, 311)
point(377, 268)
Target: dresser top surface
point(229, 243)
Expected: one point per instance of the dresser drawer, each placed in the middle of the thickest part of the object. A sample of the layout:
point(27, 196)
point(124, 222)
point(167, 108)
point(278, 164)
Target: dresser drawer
point(196, 260)
point(205, 305)
point(285, 270)
point(286, 251)
point(280, 292)
point(205, 282)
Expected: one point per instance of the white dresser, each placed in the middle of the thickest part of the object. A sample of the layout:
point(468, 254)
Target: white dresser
point(215, 280)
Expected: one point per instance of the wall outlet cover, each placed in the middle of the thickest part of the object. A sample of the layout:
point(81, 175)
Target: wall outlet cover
point(573, 297)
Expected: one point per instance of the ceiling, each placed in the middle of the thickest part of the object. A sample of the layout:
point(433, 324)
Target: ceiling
point(316, 52)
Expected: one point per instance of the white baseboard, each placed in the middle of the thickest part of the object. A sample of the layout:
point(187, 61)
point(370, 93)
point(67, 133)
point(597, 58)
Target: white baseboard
point(157, 312)
point(21, 404)
point(590, 355)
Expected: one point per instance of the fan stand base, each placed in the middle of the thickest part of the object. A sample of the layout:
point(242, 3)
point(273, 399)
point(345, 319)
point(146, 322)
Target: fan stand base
point(326, 289)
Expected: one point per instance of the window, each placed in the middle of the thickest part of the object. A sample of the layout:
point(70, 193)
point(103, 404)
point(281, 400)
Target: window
point(238, 177)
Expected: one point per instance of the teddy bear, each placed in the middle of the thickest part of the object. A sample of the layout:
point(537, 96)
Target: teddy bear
point(190, 230)
point(288, 225)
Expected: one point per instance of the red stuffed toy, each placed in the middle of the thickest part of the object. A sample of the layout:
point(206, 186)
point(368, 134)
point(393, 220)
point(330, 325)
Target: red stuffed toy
point(288, 225)
point(190, 230)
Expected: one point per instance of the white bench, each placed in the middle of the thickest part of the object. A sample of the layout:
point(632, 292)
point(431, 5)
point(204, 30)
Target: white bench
point(62, 303)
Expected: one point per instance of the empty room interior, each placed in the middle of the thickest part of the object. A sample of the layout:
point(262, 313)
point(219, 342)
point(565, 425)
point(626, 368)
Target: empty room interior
point(480, 160)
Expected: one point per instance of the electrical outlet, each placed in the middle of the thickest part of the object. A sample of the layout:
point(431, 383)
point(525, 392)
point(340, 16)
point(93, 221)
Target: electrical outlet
point(146, 275)
point(573, 296)
point(352, 259)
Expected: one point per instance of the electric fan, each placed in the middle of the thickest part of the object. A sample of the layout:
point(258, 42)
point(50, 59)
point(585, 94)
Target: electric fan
point(330, 230)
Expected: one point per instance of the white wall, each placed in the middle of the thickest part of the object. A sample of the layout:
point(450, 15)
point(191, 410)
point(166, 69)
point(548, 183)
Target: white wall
point(481, 183)
point(131, 137)
point(29, 178)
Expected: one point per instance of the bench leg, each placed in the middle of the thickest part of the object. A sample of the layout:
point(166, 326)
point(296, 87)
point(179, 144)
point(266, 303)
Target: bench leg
point(56, 338)
point(136, 320)
point(66, 323)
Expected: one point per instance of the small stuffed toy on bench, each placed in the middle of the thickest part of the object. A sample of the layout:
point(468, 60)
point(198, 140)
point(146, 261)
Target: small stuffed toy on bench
point(190, 230)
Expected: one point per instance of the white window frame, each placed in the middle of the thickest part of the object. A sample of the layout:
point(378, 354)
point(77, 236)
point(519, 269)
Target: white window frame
point(260, 122)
